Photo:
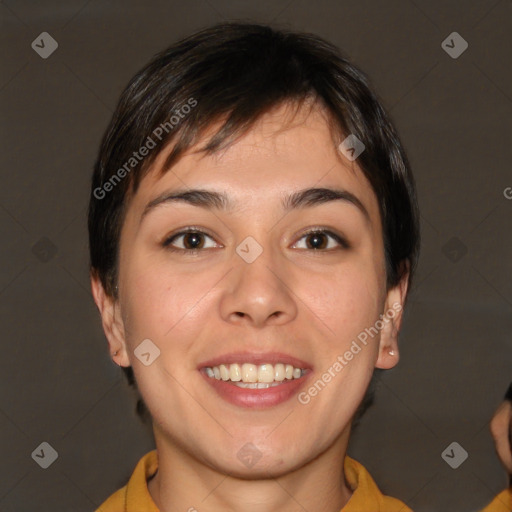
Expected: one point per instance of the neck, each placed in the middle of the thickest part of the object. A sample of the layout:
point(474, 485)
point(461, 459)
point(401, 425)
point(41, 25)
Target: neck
point(184, 483)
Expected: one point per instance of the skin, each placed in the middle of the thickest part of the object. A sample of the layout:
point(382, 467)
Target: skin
point(310, 303)
point(501, 430)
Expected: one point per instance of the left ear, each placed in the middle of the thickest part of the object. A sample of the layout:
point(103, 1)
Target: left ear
point(392, 320)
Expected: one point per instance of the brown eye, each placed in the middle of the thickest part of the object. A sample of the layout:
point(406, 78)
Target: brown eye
point(193, 241)
point(319, 240)
point(190, 240)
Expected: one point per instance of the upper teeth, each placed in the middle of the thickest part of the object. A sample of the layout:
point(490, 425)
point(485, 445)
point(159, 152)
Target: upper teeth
point(254, 373)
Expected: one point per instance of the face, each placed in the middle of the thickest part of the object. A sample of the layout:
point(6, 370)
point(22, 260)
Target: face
point(264, 281)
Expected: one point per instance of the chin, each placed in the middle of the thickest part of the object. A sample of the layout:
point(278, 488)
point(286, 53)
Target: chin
point(273, 465)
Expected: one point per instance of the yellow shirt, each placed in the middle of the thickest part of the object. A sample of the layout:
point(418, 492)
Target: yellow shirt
point(502, 502)
point(366, 497)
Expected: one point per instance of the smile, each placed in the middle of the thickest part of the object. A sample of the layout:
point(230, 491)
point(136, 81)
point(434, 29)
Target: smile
point(255, 386)
point(252, 376)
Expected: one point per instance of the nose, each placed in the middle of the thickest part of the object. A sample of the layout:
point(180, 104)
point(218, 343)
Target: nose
point(258, 293)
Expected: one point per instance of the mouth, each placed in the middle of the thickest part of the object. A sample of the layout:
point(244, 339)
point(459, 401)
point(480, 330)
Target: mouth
point(256, 381)
point(252, 376)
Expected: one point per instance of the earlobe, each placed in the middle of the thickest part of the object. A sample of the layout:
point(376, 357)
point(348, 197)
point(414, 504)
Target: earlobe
point(111, 321)
point(388, 347)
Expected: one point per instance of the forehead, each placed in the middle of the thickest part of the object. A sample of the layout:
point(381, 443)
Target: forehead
point(284, 150)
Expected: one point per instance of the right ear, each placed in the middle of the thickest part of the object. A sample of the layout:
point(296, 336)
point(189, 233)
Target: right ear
point(110, 311)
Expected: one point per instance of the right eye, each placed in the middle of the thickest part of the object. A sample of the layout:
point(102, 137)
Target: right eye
point(191, 240)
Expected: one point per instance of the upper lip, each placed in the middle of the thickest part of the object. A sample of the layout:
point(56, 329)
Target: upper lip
point(255, 358)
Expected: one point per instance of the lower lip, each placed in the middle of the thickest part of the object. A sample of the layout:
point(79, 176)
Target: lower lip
point(256, 398)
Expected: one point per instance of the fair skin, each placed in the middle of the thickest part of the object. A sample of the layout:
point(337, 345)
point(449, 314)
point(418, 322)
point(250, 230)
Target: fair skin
point(309, 303)
point(501, 430)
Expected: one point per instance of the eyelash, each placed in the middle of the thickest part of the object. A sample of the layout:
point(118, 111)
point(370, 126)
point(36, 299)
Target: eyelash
point(168, 241)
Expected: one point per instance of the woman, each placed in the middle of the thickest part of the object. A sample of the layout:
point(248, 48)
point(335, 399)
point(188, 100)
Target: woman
point(253, 234)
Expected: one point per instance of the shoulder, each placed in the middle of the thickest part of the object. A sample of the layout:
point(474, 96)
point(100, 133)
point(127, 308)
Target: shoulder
point(134, 496)
point(115, 503)
point(501, 503)
point(366, 494)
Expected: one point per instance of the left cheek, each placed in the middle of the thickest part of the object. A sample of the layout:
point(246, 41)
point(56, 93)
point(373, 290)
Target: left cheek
point(354, 304)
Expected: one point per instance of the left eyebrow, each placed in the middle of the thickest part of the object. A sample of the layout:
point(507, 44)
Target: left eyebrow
point(315, 196)
point(209, 199)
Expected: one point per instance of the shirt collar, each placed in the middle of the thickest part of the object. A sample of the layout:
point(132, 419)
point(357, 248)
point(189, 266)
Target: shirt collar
point(366, 495)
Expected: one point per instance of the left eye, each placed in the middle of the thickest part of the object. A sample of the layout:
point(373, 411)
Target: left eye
point(318, 240)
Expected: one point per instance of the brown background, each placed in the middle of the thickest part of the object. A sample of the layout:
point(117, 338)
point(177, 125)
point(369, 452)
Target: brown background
point(456, 347)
